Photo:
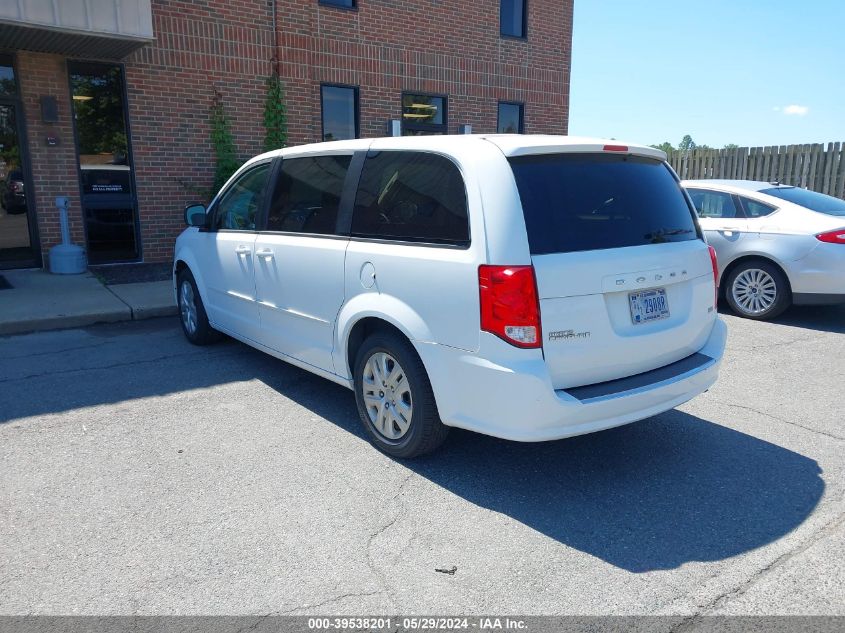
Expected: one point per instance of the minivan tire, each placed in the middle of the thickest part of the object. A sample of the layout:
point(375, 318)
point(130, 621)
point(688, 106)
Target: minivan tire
point(192, 315)
point(425, 432)
point(760, 274)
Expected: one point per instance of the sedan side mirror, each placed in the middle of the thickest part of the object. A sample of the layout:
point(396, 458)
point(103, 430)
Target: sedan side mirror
point(195, 215)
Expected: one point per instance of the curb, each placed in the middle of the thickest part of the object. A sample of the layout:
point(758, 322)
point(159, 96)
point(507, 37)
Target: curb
point(31, 326)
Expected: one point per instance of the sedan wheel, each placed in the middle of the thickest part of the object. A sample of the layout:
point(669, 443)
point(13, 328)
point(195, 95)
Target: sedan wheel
point(757, 290)
point(754, 291)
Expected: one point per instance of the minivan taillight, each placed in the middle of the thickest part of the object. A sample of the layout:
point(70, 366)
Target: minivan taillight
point(832, 237)
point(509, 305)
point(715, 263)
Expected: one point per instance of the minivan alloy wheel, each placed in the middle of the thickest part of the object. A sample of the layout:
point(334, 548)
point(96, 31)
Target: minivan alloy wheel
point(187, 306)
point(754, 291)
point(387, 396)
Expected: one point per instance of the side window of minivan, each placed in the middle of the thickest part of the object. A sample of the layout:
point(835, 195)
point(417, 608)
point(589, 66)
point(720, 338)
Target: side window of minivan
point(239, 204)
point(411, 196)
point(307, 194)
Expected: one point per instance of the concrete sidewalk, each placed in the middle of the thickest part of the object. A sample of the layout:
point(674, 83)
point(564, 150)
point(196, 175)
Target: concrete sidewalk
point(39, 300)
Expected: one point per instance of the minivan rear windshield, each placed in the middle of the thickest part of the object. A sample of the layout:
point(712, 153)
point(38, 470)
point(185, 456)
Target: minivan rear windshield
point(810, 199)
point(582, 202)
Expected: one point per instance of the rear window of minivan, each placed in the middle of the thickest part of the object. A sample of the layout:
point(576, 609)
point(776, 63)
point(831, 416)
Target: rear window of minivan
point(582, 202)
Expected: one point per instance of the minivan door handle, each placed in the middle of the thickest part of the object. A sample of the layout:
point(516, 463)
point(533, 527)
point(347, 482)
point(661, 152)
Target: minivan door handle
point(266, 253)
point(243, 250)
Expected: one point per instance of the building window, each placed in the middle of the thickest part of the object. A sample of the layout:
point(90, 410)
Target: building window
point(340, 112)
point(345, 4)
point(105, 162)
point(423, 115)
point(510, 118)
point(513, 17)
point(8, 87)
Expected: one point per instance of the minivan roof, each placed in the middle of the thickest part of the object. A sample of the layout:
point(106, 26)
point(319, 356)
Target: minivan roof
point(508, 144)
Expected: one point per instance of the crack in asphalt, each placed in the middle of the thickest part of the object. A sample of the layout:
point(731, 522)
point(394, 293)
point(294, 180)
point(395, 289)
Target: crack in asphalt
point(114, 365)
point(402, 510)
point(330, 601)
point(690, 621)
point(257, 623)
point(55, 352)
point(779, 419)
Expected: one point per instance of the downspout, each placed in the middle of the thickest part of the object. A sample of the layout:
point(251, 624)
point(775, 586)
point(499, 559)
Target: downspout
point(277, 62)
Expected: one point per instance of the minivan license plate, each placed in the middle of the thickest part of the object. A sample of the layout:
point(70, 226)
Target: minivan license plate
point(648, 305)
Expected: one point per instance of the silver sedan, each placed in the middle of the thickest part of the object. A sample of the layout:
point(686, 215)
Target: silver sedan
point(777, 245)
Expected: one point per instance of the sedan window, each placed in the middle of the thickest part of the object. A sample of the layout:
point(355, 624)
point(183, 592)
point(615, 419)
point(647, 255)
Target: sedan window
point(755, 209)
point(714, 204)
point(810, 199)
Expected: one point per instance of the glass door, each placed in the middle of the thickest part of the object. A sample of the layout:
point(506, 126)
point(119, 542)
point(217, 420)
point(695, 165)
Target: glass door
point(16, 221)
point(105, 162)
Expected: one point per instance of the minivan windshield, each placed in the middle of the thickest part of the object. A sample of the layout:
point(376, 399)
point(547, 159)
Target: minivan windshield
point(810, 199)
point(581, 202)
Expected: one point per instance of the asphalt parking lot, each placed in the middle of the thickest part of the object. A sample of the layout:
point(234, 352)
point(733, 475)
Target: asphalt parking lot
point(141, 475)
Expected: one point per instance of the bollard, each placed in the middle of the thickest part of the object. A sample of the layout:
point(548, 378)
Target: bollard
point(66, 258)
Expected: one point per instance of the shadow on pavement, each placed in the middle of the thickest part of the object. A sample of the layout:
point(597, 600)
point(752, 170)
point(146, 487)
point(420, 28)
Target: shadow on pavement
point(822, 318)
point(647, 496)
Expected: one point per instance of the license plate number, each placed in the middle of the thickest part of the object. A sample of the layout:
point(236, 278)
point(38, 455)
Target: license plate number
point(648, 305)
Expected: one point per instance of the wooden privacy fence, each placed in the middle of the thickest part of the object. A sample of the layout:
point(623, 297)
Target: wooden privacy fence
point(813, 167)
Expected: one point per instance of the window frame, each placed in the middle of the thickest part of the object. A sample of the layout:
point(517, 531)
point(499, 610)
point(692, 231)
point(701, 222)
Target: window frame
point(261, 211)
point(345, 215)
point(356, 107)
point(441, 128)
point(343, 212)
point(510, 36)
point(334, 4)
point(521, 127)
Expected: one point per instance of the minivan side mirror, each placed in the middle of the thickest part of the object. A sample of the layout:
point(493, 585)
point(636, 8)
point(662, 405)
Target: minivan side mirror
point(195, 215)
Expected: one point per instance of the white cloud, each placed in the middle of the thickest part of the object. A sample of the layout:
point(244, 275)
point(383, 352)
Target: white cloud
point(797, 110)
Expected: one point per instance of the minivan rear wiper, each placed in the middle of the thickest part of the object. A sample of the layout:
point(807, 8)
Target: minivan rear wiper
point(660, 235)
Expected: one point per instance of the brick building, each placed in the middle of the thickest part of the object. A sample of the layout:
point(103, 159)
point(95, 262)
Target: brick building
point(108, 102)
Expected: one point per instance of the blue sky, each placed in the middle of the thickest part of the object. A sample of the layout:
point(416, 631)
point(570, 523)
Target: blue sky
point(751, 72)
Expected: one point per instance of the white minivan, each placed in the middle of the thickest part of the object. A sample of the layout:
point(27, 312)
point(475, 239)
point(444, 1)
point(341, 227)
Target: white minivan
point(526, 287)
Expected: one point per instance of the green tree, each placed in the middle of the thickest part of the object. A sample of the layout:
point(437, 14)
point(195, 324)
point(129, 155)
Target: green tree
point(666, 146)
point(731, 146)
point(687, 144)
point(275, 115)
point(226, 161)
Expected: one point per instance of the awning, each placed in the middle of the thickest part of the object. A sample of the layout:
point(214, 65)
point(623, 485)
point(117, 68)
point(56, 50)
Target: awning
point(70, 43)
point(77, 28)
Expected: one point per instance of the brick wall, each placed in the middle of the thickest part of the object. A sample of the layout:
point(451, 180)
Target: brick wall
point(53, 168)
point(433, 46)
point(226, 47)
point(201, 48)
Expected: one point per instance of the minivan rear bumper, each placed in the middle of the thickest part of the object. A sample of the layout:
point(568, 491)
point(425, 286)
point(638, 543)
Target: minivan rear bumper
point(514, 399)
